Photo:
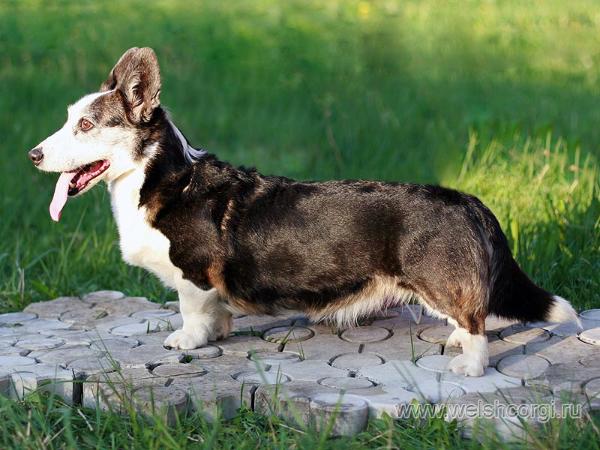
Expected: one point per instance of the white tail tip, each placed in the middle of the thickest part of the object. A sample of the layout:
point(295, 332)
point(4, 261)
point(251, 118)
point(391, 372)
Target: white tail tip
point(562, 311)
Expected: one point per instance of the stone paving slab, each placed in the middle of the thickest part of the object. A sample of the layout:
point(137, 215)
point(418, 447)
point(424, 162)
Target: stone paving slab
point(105, 350)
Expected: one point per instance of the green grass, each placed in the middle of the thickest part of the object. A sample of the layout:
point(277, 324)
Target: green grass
point(500, 99)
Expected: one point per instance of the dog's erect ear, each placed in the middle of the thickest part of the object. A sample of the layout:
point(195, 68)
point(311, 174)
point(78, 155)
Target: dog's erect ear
point(137, 76)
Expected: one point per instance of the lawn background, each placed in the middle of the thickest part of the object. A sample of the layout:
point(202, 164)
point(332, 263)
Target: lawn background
point(500, 99)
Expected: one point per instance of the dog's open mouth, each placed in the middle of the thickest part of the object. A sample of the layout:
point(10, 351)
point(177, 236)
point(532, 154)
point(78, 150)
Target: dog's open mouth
point(72, 183)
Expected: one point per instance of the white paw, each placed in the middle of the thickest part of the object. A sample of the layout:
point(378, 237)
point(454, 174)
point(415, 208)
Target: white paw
point(185, 341)
point(469, 367)
point(454, 340)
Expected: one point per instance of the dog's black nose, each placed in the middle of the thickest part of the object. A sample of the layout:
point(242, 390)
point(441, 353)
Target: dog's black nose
point(36, 155)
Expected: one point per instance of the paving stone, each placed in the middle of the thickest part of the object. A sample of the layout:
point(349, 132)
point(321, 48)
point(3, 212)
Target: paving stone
point(246, 345)
point(523, 366)
point(90, 365)
point(435, 363)
point(41, 325)
point(85, 317)
point(261, 377)
point(312, 371)
point(135, 329)
point(491, 381)
point(16, 318)
point(402, 346)
point(53, 309)
point(213, 396)
point(558, 329)
point(501, 349)
point(356, 361)
point(363, 335)
point(78, 337)
point(108, 323)
point(102, 297)
point(12, 361)
point(147, 355)
point(509, 427)
point(346, 383)
point(260, 324)
point(178, 370)
point(7, 331)
point(520, 334)
point(173, 306)
point(322, 347)
point(206, 352)
point(113, 343)
point(436, 391)
point(564, 378)
point(115, 388)
point(437, 334)
point(592, 391)
point(41, 377)
point(591, 314)
point(283, 335)
point(290, 366)
point(347, 413)
point(397, 373)
point(39, 342)
point(567, 350)
point(591, 336)
point(64, 356)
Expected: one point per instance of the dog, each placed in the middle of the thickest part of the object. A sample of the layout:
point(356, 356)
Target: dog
point(232, 240)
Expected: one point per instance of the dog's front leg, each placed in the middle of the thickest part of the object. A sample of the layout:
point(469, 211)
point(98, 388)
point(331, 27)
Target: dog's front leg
point(204, 318)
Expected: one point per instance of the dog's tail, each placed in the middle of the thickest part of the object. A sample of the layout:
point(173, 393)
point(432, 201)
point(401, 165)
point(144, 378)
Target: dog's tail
point(513, 295)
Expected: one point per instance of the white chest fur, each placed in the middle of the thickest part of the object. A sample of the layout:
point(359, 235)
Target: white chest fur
point(141, 245)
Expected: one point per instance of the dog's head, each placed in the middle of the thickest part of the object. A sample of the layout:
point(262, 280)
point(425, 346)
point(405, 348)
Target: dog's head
point(106, 132)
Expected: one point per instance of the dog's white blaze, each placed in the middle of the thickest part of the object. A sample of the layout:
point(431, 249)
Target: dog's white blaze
point(142, 245)
point(66, 150)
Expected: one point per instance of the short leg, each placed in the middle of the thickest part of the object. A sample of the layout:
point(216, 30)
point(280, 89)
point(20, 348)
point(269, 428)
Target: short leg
point(475, 357)
point(204, 318)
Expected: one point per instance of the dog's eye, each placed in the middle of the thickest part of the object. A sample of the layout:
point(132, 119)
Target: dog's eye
point(85, 125)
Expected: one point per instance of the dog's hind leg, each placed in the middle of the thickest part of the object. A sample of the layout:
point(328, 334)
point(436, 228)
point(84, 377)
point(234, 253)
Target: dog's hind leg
point(204, 318)
point(475, 357)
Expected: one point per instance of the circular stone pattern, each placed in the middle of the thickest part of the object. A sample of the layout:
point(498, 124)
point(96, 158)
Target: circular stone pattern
point(15, 318)
point(592, 388)
point(523, 366)
point(356, 361)
point(178, 370)
point(10, 362)
point(435, 363)
point(275, 358)
point(153, 314)
point(261, 378)
point(591, 336)
point(517, 334)
point(39, 343)
point(206, 352)
point(591, 314)
point(437, 334)
point(364, 335)
point(282, 335)
point(346, 383)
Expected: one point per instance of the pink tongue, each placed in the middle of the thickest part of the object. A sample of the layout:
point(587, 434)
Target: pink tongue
point(61, 192)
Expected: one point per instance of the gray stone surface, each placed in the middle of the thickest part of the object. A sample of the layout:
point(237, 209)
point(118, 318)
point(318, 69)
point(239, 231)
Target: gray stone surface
point(106, 350)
